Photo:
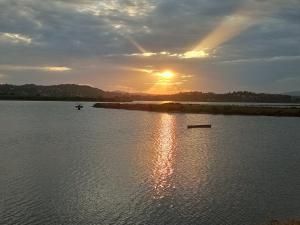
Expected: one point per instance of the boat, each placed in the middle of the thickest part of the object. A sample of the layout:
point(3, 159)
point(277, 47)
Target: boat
point(199, 126)
point(79, 106)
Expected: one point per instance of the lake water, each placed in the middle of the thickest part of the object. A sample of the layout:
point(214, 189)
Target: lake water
point(103, 166)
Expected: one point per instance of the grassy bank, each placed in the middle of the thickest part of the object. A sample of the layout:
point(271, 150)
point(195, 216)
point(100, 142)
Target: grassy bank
point(206, 109)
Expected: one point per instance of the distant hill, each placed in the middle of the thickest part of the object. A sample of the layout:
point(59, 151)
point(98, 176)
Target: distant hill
point(293, 93)
point(73, 92)
point(62, 90)
point(55, 92)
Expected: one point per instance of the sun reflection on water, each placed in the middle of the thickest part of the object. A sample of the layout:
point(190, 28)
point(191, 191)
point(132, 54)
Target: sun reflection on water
point(164, 156)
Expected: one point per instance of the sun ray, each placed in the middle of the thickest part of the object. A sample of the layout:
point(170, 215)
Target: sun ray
point(247, 15)
point(135, 44)
point(228, 29)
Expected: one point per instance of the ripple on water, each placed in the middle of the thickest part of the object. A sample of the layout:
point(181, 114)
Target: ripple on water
point(102, 166)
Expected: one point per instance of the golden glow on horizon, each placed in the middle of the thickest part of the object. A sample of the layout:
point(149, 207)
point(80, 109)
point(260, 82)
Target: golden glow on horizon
point(166, 83)
point(164, 89)
point(163, 75)
point(167, 74)
point(161, 81)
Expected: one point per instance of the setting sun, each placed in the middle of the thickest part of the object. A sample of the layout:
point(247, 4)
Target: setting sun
point(166, 74)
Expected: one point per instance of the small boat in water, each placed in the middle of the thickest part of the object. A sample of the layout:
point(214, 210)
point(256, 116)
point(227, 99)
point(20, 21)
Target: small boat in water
point(199, 126)
point(79, 106)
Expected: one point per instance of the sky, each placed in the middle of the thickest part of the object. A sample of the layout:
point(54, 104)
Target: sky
point(153, 46)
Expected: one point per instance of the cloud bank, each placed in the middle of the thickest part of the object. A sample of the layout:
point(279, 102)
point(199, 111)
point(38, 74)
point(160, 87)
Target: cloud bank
point(226, 45)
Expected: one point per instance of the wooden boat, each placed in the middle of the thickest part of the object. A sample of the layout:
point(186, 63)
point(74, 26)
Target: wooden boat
point(199, 126)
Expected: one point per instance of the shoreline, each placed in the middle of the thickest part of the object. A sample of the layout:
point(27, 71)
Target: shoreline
point(206, 109)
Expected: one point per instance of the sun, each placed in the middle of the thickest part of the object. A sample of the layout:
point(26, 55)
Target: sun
point(167, 74)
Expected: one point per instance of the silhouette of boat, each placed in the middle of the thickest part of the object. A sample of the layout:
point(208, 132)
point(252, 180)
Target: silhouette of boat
point(199, 126)
point(78, 106)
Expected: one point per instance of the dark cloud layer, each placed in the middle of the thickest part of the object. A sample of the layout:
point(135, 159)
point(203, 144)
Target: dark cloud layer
point(95, 39)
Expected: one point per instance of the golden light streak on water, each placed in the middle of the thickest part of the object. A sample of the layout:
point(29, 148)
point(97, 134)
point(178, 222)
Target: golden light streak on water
point(164, 156)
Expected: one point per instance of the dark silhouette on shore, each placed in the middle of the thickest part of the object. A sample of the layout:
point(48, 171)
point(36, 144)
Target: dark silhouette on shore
point(62, 92)
point(73, 92)
point(206, 109)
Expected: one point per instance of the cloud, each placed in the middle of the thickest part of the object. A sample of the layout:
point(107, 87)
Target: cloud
point(39, 68)
point(244, 36)
point(15, 38)
point(131, 8)
point(269, 59)
point(2, 77)
point(183, 55)
point(56, 68)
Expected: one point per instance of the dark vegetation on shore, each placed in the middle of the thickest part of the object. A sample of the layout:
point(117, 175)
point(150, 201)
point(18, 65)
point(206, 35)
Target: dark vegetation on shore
point(73, 92)
point(277, 222)
point(239, 96)
point(62, 92)
point(206, 109)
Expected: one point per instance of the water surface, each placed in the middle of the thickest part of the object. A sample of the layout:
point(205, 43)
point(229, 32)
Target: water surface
point(105, 166)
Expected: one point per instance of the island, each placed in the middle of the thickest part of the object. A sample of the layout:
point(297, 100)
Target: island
point(289, 111)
